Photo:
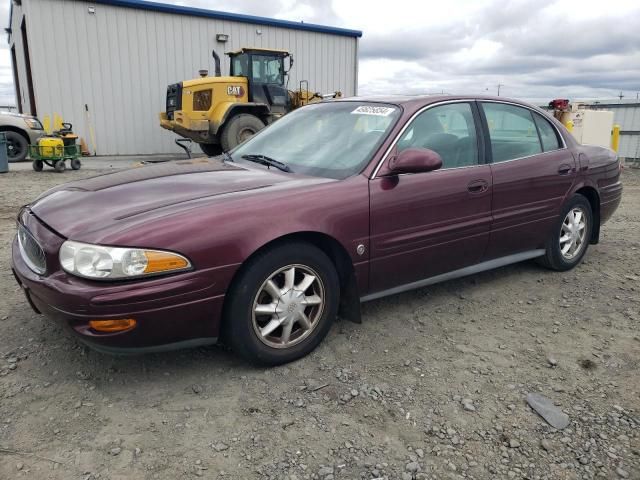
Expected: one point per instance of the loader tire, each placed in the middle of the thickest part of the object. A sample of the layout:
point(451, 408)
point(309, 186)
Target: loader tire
point(211, 149)
point(238, 129)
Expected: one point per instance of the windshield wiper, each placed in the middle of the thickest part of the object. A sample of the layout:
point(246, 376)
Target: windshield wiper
point(268, 161)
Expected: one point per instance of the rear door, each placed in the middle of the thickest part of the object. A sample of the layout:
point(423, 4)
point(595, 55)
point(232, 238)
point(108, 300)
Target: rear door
point(532, 173)
point(425, 224)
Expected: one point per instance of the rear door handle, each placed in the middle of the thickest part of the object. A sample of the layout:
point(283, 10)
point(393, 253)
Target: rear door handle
point(478, 186)
point(564, 169)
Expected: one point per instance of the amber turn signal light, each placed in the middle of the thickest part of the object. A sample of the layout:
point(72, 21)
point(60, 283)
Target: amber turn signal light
point(112, 326)
point(163, 262)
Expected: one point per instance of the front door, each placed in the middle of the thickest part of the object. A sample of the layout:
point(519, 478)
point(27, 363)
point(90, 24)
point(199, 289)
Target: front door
point(425, 224)
point(532, 174)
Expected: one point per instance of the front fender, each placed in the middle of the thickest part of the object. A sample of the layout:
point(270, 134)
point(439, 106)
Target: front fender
point(225, 110)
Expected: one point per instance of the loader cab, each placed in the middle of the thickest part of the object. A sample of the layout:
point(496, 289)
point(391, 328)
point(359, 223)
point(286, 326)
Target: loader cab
point(266, 74)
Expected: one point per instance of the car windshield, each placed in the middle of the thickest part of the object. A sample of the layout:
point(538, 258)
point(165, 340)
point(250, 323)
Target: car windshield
point(332, 140)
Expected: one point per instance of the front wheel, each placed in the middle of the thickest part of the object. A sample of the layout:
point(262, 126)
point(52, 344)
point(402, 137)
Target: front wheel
point(17, 146)
point(282, 305)
point(238, 129)
point(59, 166)
point(37, 165)
point(570, 237)
point(76, 163)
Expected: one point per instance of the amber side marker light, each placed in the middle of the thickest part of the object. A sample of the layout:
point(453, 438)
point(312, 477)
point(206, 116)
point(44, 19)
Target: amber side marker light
point(112, 326)
point(164, 262)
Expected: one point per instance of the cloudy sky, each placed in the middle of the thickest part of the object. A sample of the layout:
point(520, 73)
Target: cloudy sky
point(535, 49)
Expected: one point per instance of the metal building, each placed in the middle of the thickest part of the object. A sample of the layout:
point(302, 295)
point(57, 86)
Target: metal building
point(104, 65)
point(626, 113)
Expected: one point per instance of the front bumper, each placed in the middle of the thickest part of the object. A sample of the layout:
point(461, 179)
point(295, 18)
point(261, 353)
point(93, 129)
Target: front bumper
point(196, 129)
point(171, 312)
point(34, 135)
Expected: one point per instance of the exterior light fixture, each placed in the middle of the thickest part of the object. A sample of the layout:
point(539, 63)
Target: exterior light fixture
point(222, 37)
point(91, 9)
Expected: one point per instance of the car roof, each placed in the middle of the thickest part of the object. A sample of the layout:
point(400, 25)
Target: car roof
point(414, 102)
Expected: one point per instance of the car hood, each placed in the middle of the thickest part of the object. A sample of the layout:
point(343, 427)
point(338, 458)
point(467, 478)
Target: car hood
point(77, 209)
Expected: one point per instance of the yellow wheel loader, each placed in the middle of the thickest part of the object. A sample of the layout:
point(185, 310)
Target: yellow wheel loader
point(221, 112)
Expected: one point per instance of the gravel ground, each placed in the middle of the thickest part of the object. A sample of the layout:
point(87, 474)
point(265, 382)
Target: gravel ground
point(432, 385)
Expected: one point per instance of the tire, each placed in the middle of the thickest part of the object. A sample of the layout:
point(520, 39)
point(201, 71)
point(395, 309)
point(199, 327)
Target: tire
point(242, 328)
point(37, 165)
point(211, 149)
point(17, 146)
point(76, 163)
point(554, 258)
point(238, 129)
point(60, 166)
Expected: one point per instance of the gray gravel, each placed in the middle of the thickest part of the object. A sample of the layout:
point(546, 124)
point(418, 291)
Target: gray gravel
point(433, 384)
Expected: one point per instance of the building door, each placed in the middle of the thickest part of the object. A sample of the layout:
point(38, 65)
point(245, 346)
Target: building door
point(27, 61)
point(16, 79)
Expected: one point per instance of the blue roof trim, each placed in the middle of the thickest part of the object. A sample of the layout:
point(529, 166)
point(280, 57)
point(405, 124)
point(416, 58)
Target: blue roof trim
point(237, 17)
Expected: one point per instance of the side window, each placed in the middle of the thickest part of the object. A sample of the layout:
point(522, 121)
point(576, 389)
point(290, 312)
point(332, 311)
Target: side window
point(548, 135)
point(512, 132)
point(448, 130)
point(267, 69)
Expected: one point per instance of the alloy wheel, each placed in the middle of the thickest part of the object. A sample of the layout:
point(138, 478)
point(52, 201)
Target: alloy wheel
point(572, 233)
point(288, 306)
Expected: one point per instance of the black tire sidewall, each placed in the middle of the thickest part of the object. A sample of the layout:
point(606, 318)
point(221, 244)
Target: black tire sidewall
point(76, 164)
point(16, 137)
point(237, 326)
point(229, 138)
point(211, 149)
point(556, 259)
point(38, 165)
point(59, 166)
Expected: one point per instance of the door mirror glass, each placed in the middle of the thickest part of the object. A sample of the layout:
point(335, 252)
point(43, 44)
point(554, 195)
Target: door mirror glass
point(415, 160)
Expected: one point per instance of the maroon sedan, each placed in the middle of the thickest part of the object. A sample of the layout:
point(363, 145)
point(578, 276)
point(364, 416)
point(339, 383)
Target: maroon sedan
point(335, 204)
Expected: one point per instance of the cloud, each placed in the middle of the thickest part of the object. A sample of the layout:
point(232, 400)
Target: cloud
point(535, 49)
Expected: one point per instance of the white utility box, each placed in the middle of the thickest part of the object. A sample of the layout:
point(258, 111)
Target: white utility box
point(592, 127)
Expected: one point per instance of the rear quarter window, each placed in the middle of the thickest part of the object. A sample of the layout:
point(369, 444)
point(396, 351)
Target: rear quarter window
point(548, 134)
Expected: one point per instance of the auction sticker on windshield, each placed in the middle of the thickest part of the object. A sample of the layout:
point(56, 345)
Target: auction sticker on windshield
point(369, 110)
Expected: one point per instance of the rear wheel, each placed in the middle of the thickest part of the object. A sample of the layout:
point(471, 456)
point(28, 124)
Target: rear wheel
point(238, 129)
point(211, 149)
point(570, 237)
point(282, 305)
point(17, 146)
point(76, 164)
point(37, 165)
point(60, 166)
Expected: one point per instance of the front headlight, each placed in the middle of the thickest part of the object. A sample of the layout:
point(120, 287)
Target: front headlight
point(108, 263)
point(33, 123)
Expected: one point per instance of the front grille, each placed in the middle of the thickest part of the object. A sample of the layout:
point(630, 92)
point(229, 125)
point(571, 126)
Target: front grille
point(31, 251)
point(174, 99)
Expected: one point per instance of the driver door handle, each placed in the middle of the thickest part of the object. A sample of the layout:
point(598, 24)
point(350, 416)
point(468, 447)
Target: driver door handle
point(564, 169)
point(478, 186)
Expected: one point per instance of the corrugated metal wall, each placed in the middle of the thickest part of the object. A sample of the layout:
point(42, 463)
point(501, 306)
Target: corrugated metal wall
point(627, 115)
point(119, 62)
